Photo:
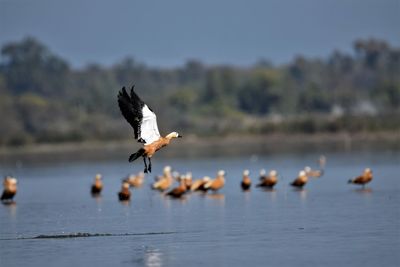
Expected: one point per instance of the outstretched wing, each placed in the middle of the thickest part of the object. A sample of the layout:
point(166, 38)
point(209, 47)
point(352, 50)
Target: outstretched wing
point(139, 116)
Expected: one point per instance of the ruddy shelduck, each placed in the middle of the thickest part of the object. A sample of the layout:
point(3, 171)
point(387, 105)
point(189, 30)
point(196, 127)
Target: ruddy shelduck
point(124, 194)
point(10, 189)
point(217, 183)
point(363, 179)
point(301, 180)
point(135, 180)
point(164, 181)
point(268, 181)
point(246, 181)
point(144, 123)
point(198, 185)
point(179, 191)
point(97, 186)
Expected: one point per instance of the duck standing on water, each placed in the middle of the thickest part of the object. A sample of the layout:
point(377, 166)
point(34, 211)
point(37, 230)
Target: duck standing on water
point(246, 181)
point(301, 180)
point(179, 191)
point(97, 186)
point(198, 185)
point(10, 189)
point(363, 179)
point(268, 181)
point(217, 183)
point(165, 181)
point(124, 194)
point(135, 180)
point(144, 123)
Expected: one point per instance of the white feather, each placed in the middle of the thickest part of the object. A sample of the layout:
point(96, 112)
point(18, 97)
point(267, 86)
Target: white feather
point(149, 129)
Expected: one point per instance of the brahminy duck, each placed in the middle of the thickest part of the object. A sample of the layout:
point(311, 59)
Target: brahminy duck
point(124, 194)
point(179, 191)
point(363, 179)
point(268, 181)
point(10, 189)
point(313, 173)
point(144, 123)
point(135, 180)
point(301, 180)
point(246, 181)
point(164, 181)
point(217, 183)
point(97, 186)
point(198, 185)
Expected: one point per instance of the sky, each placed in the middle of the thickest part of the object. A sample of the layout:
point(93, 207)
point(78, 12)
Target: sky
point(167, 33)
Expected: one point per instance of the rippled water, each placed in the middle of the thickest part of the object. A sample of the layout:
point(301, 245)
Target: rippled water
point(56, 222)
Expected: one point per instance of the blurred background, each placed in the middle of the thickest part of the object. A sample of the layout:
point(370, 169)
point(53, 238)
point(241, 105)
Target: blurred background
point(225, 68)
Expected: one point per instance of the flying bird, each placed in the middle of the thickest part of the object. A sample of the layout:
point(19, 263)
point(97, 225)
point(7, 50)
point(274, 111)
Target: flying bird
point(144, 123)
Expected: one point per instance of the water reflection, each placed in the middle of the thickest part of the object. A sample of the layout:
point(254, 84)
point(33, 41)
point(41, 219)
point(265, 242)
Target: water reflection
point(217, 197)
point(153, 258)
point(363, 191)
point(11, 206)
point(302, 193)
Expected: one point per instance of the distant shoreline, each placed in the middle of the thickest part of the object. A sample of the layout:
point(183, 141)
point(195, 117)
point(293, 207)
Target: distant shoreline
point(234, 144)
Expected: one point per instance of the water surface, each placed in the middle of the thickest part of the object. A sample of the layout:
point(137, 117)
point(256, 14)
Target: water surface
point(56, 222)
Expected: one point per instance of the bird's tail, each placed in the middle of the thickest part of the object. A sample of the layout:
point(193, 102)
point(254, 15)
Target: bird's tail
point(350, 181)
point(136, 155)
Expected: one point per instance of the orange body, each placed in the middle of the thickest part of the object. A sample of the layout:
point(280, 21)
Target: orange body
point(363, 179)
point(301, 180)
point(268, 181)
point(215, 184)
point(179, 191)
point(246, 182)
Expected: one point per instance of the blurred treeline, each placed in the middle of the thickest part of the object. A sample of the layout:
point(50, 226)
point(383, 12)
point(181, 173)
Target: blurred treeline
point(44, 99)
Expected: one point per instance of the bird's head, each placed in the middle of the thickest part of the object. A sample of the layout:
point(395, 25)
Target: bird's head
point(173, 135)
point(368, 170)
point(98, 176)
point(273, 173)
point(302, 173)
point(262, 172)
point(246, 173)
point(125, 185)
point(221, 173)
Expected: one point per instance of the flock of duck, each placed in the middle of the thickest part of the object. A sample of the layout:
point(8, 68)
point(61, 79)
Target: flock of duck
point(186, 183)
point(144, 123)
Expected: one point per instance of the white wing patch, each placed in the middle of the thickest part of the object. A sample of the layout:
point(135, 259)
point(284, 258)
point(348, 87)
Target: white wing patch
point(149, 129)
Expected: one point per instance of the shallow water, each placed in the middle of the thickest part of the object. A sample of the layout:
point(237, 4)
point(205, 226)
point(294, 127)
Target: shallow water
point(56, 222)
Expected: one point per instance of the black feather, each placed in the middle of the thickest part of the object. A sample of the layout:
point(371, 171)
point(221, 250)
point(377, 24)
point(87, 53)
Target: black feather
point(131, 108)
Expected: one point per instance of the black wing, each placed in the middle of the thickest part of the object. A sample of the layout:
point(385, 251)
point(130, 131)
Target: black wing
point(131, 107)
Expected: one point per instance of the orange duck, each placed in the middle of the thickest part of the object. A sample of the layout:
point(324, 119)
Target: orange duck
point(144, 123)
point(268, 181)
point(363, 179)
point(135, 180)
point(97, 186)
point(179, 191)
point(124, 194)
point(246, 181)
point(10, 189)
point(301, 180)
point(217, 183)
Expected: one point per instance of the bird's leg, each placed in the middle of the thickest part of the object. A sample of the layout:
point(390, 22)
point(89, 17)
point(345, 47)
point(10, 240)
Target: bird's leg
point(145, 164)
point(149, 168)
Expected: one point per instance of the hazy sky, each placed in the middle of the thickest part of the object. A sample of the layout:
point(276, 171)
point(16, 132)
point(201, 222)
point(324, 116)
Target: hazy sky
point(168, 32)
